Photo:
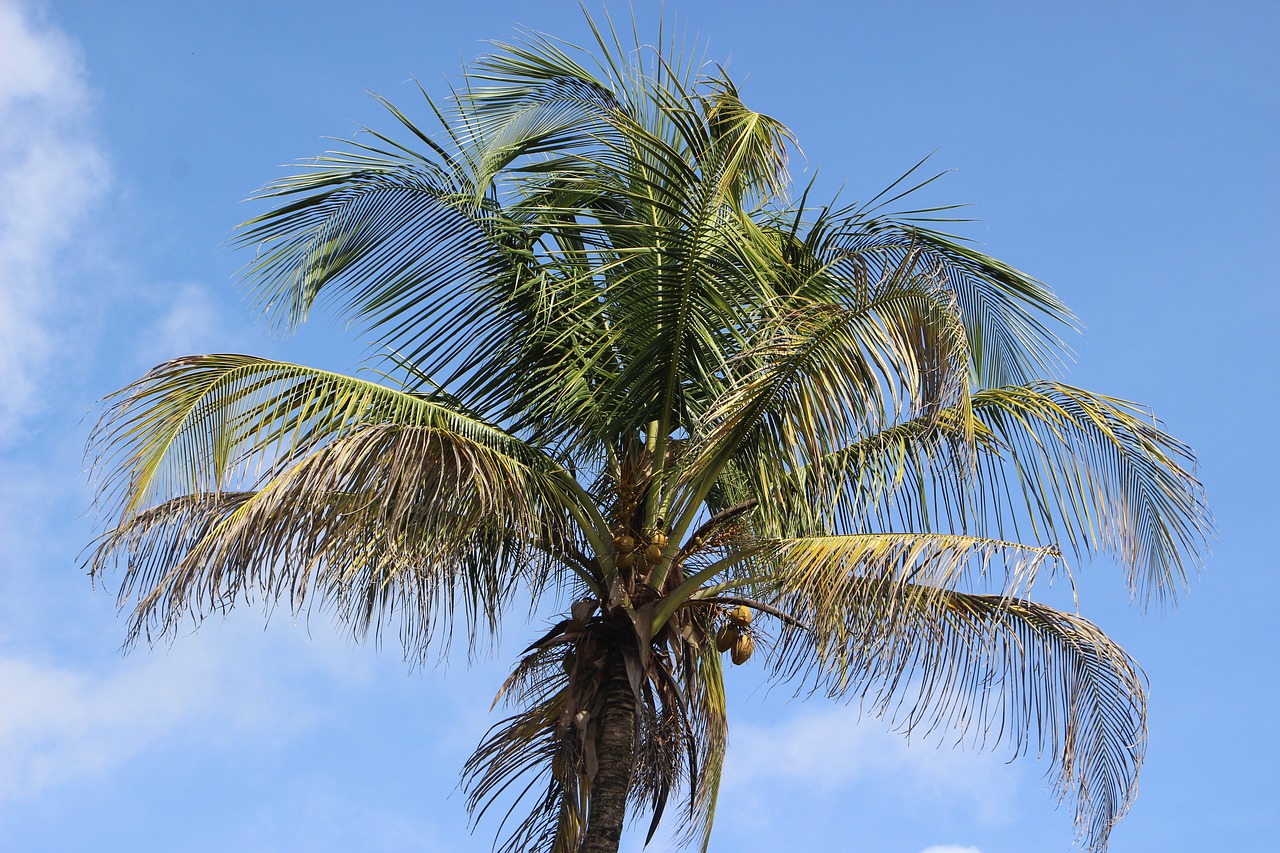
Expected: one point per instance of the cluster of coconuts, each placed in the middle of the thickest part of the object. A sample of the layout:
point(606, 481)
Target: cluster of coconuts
point(735, 637)
point(627, 549)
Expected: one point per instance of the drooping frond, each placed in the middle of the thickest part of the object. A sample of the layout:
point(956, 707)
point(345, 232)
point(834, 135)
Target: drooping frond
point(541, 761)
point(1098, 473)
point(375, 501)
point(535, 755)
point(1049, 463)
point(704, 691)
point(1064, 686)
point(396, 243)
point(198, 423)
point(1010, 318)
point(884, 624)
point(817, 580)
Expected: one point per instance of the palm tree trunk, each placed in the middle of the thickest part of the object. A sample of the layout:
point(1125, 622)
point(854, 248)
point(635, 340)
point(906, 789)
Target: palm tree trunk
point(616, 756)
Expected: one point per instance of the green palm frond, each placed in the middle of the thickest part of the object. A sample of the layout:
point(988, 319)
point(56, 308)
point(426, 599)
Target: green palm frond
point(1049, 463)
point(376, 230)
point(823, 377)
point(1010, 318)
point(914, 475)
point(1098, 473)
point(196, 424)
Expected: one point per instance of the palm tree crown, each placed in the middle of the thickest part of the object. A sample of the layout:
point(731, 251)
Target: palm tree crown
point(629, 368)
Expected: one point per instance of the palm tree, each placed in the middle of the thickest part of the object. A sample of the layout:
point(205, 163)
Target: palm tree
point(627, 368)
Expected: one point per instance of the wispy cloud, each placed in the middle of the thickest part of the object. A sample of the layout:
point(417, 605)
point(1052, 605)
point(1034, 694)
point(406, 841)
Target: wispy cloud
point(190, 321)
point(59, 723)
point(51, 175)
point(831, 750)
point(226, 687)
point(64, 722)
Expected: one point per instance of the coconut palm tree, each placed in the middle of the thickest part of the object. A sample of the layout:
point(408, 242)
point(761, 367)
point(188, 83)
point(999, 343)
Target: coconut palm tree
point(631, 373)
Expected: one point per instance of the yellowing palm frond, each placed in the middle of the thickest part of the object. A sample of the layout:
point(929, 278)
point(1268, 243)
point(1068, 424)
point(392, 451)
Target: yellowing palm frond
point(363, 495)
point(885, 623)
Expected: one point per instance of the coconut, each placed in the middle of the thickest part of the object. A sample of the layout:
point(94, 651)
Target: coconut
point(653, 553)
point(624, 543)
point(624, 561)
point(659, 539)
point(727, 637)
point(742, 649)
point(740, 616)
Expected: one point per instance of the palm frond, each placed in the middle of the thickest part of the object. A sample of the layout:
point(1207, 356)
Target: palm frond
point(997, 670)
point(884, 622)
point(1010, 318)
point(387, 524)
point(1049, 463)
point(199, 423)
point(534, 754)
point(1098, 473)
point(917, 474)
point(817, 580)
point(823, 377)
point(378, 501)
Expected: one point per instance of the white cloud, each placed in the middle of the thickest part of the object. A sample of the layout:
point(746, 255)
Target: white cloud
point(192, 322)
point(225, 683)
point(229, 683)
point(59, 724)
point(51, 174)
point(831, 750)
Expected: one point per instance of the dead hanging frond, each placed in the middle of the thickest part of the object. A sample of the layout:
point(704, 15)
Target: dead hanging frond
point(535, 757)
point(367, 499)
point(541, 761)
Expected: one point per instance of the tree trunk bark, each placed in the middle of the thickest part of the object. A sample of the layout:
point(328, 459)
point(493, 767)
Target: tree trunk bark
point(608, 804)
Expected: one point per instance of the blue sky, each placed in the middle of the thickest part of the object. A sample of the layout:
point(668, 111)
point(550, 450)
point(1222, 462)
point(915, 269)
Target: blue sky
point(1124, 153)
